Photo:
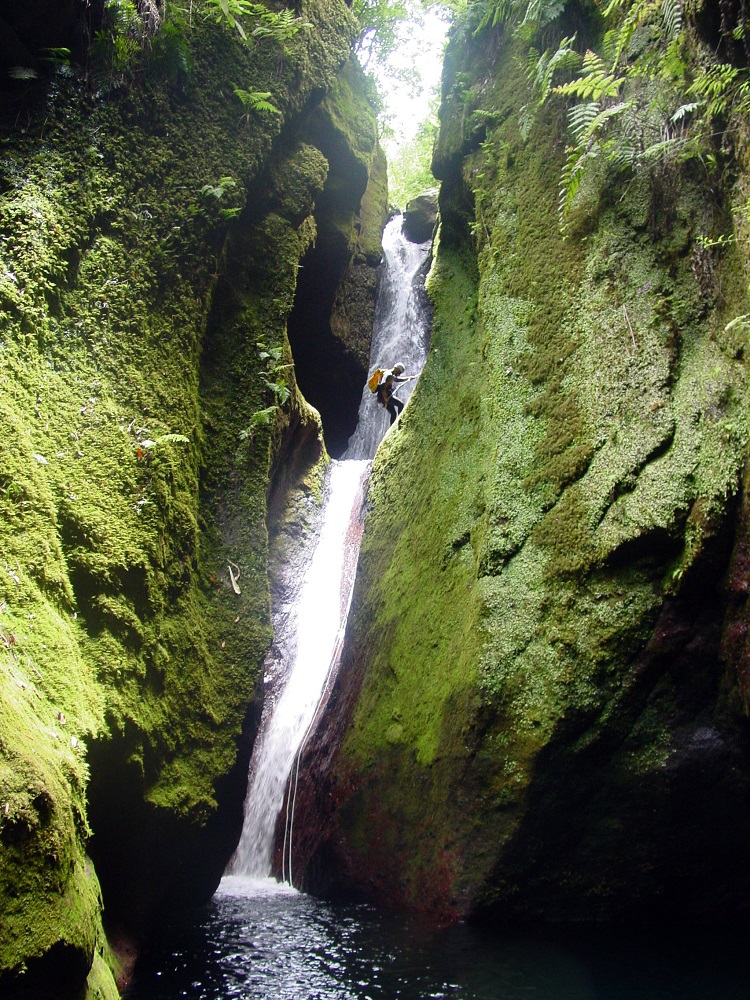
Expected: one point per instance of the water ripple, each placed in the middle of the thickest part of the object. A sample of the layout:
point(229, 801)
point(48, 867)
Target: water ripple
point(257, 940)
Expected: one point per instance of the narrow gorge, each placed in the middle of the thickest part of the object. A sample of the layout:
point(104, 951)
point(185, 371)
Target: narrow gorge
point(541, 710)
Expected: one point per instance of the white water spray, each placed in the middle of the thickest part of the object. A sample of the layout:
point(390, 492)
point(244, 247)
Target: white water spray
point(399, 334)
point(322, 606)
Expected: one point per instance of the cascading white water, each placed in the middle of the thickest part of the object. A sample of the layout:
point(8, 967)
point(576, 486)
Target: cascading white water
point(321, 616)
point(399, 334)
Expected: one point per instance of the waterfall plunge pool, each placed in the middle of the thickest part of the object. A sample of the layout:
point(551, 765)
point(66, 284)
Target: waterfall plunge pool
point(258, 940)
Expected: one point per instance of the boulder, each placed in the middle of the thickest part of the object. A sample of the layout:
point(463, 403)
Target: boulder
point(420, 217)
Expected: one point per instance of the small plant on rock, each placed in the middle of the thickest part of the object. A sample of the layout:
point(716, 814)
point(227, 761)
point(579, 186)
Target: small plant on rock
point(275, 383)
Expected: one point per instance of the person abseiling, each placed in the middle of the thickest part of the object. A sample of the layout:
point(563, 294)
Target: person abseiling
point(387, 387)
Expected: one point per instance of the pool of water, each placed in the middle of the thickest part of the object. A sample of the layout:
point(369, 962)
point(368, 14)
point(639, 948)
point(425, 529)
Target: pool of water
point(256, 939)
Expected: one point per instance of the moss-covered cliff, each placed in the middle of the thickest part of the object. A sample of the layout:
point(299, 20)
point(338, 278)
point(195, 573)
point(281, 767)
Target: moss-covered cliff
point(152, 226)
point(544, 691)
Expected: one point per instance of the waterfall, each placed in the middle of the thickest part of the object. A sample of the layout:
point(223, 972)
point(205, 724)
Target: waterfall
point(324, 593)
point(400, 333)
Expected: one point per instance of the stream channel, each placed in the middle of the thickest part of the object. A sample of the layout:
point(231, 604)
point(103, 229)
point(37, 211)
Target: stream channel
point(259, 938)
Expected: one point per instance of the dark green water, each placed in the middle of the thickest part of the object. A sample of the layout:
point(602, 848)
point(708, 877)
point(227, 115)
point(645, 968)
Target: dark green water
point(253, 941)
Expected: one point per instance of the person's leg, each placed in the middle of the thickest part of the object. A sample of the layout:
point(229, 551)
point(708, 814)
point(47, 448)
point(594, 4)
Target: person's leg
point(395, 406)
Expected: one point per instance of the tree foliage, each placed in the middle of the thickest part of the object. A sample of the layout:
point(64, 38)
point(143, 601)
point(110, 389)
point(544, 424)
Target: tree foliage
point(380, 22)
point(409, 172)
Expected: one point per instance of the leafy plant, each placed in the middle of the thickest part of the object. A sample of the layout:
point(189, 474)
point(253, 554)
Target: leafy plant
point(529, 16)
point(261, 418)
point(595, 83)
point(218, 190)
point(724, 89)
point(273, 383)
point(120, 46)
point(229, 12)
point(255, 101)
point(279, 26)
point(541, 70)
point(653, 121)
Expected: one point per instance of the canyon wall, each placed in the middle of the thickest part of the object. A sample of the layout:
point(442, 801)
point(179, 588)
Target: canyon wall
point(542, 711)
point(160, 186)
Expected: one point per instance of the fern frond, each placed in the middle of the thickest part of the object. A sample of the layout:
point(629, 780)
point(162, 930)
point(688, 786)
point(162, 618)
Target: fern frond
point(605, 116)
point(671, 16)
point(657, 149)
point(540, 13)
point(580, 118)
point(173, 438)
point(595, 82)
point(639, 13)
point(592, 63)
point(496, 12)
point(570, 181)
point(593, 87)
point(621, 152)
point(684, 110)
point(256, 100)
point(549, 63)
point(526, 118)
point(609, 46)
point(716, 85)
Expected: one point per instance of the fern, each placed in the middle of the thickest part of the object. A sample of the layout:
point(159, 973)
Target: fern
point(540, 13)
point(531, 15)
point(496, 12)
point(280, 390)
point(172, 438)
point(595, 83)
point(683, 111)
point(256, 100)
point(218, 190)
point(279, 27)
point(570, 181)
point(671, 18)
point(589, 124)
point(667, 12)
point(229, 12)
point(719, 85)
point(543, 68)
point(580, 119)
point(261, 418)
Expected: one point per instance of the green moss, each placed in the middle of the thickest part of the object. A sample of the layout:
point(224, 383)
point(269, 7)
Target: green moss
point(100, 984)
point(568, 457)
point(132, 304)
point(373, 211)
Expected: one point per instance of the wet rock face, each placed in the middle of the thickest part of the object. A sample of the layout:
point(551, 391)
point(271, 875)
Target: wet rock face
point(555, 727)
point(420, 217)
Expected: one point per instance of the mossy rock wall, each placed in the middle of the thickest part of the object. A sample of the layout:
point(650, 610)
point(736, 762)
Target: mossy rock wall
point(544, 690)
point(151, 231)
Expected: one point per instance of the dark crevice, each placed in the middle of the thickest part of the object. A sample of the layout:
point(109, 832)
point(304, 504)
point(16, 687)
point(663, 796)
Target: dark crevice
point(329, 376)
